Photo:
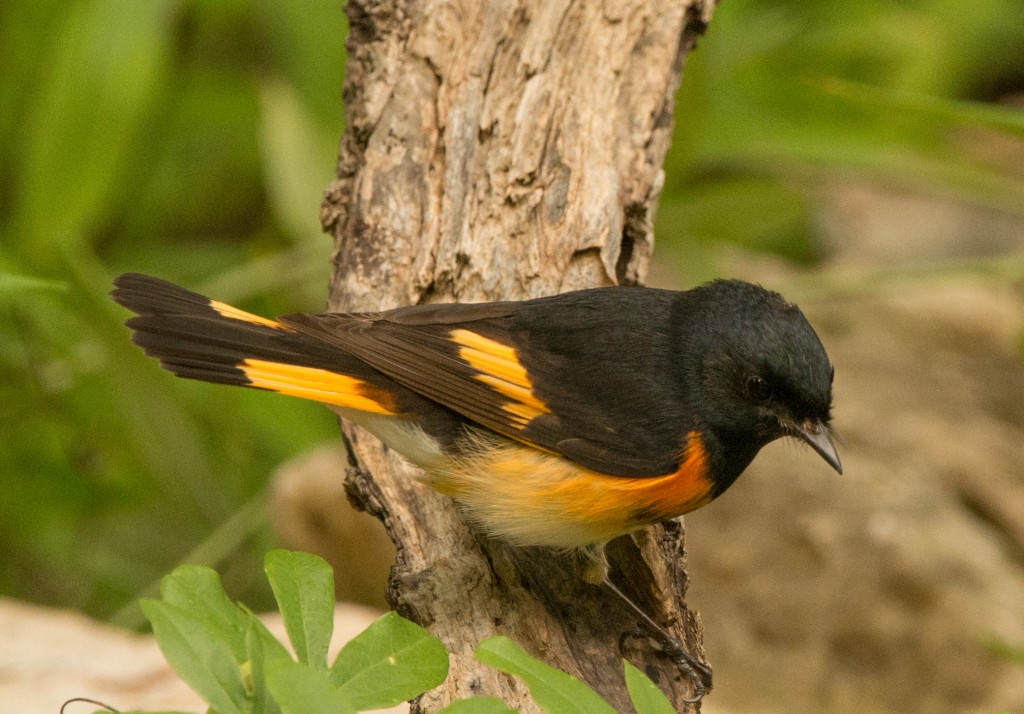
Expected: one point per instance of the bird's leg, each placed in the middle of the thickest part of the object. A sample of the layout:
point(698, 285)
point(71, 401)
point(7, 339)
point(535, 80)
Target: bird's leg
point(592, 563)
point(594, 570)
point(698, 672)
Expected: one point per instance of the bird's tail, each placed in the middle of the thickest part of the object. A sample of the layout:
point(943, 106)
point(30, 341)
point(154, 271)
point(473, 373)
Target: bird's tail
point(199, 338)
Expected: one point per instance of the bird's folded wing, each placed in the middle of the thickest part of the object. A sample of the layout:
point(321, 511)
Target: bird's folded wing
point(467, 359)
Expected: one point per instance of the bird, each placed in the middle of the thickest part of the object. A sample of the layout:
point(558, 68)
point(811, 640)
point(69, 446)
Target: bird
point(562, 421)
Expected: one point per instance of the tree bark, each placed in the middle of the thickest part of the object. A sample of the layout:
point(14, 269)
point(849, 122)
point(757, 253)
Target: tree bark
point(507, 150)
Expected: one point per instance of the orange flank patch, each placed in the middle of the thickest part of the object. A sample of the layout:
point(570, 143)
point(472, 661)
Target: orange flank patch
point(319, 385)
point(686, 489)
point(235, 314)
point(534, 498)
point(498, 367)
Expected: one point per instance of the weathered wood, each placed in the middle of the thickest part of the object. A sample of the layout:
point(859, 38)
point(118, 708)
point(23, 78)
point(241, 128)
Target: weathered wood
point(504, 150)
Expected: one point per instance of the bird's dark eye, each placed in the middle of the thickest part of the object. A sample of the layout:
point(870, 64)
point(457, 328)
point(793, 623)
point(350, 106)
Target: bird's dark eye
point(758, 389)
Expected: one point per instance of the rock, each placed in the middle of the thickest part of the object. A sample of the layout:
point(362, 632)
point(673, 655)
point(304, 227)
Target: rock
point(861, 221)
point(50, 656)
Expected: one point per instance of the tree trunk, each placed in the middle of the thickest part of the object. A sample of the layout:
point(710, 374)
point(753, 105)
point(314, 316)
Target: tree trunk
point(506, 150)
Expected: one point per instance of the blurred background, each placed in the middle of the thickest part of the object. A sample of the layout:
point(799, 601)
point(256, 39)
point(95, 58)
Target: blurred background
point(867, 159)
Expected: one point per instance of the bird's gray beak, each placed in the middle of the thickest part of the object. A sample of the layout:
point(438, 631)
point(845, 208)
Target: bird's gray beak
point(816, 434)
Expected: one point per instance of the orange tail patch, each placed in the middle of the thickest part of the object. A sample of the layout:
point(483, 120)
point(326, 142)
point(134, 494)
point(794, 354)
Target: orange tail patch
point(319, 385)
point(233, 313)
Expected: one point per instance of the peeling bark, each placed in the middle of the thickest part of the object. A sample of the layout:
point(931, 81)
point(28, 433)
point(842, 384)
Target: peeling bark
point(507, 150)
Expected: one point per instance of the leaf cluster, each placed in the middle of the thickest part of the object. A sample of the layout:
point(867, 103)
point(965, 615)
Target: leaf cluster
point(230, 658)
point(782, 101)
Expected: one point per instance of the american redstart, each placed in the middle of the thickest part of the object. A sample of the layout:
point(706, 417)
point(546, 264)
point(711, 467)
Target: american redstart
point(562, 421)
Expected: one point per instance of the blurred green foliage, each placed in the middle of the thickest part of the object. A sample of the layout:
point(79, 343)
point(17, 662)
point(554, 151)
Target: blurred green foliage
point(188, 139)
point(784, 98)
point(193, 138)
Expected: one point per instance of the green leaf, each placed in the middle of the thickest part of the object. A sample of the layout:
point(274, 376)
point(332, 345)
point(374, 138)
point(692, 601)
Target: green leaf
point(554, 691)
point(304, 587)
point(647, 698)
point(13, 283)
point(101, 75)
point(298, 159)
point(195, 650)
point(197, 589)
point(272, 648)
point(256, 684)
point(705, 213)
point(300, 689)
point(303, 40)
point(391, 661)
point(478, 705)
point(990, 116)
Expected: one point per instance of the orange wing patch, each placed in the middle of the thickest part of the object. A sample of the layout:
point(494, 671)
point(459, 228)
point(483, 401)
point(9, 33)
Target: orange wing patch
point(235, 314)
point(498, 367)
point(319, 385)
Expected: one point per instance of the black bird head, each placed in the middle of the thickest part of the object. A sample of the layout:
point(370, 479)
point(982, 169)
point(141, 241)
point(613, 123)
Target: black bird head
point(763, 373)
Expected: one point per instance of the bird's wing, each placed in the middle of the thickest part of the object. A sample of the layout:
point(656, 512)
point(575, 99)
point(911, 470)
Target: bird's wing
point(551, 386)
